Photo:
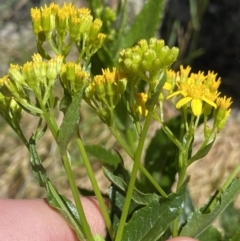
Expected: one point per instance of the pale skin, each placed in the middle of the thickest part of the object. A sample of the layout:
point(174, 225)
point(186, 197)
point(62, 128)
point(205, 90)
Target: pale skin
point(34, 220)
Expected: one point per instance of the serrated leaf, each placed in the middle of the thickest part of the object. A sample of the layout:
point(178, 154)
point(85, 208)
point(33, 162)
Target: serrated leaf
point(204, 149)
point(69, 123)
point(198, 222)
point(117, 199)
point(150, 222)
point(137, 196)
point(105, 156)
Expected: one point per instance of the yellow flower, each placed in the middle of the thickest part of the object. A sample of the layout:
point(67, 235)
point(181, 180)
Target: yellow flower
point(141, 99)
point(195, 91)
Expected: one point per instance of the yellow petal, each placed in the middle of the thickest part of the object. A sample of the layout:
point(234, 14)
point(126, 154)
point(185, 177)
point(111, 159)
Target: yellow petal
point(183, 101)
point(196, 105)
point(174, 93)
point(209, 102)
point(167, 86)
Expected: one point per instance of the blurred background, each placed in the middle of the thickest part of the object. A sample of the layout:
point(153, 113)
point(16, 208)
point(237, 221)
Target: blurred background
point(208, 35)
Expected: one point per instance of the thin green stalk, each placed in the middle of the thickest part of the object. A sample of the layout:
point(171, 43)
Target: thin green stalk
point(48, 116)
point(51, 122)
point(74, 189)
point(95, 187)
point(224, 187)
point(131, 184)
point(183, 161)
point(141, 167)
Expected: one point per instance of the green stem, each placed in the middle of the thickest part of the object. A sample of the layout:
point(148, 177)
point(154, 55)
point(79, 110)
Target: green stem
point(95, 187)
point(48, 116)
point(223, 188)
point(74, 189)
point(141, 167)
point(51, 122)
point(131, 184)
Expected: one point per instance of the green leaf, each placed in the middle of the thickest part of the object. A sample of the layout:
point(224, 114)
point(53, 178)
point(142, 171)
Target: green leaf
point(70, 122)
point(144, 26)
point(204, 149)
point(198, 222)
point(236, 237)
point(39, 172)
point(66, 208)
point(103, 155)
point(230, 221)
point(150, 222)
point(211, 234)
point(137, 196)
point(117, 199)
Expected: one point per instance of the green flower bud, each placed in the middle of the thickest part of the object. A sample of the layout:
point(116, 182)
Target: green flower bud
point(145, 65)
point(81, 79)
point(46, 20)
point(121, 86)
point(136, 58)
point(89, 91)
point(148, 58)
point(61, 21)
point(157, 64)
point(134, 68)
point(156, 45)
point(36, 19)
point(85, 24)
point(70, 71)
point(168, 60)
point(15, 74)
point(15, 109)
point(174, 51)
point(109, 14)
point(74, 26)
point(143, 45)
point(53, 68)
point(137, 50)
point(163, 52)
point(30, 76)
point(127, 53)
point(7, 88)
point(99, 85)
point(128, 63)
point(95, 29)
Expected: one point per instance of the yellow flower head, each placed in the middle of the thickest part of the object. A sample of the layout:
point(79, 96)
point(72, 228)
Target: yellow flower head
point(196, 91)
point(222, 112)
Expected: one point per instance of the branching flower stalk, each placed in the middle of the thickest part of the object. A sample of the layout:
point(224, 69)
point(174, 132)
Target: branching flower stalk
point(142, 82)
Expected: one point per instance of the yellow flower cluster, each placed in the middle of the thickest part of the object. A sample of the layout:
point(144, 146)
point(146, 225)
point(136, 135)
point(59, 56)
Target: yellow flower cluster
point(67, 21)
point(198, 92)
point(73, 78)
point(37, 75)
point(104, 92)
